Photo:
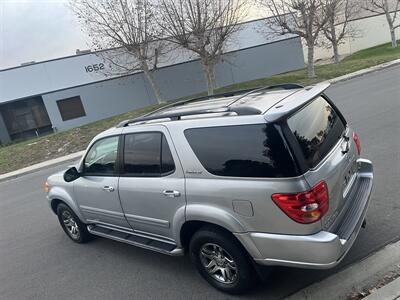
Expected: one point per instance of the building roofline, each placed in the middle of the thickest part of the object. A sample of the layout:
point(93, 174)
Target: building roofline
point(103, 50)
point(137, 73)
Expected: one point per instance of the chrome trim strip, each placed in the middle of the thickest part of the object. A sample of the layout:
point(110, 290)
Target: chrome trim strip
point(147, 220)
point(297, 264)
point(103, 212)
point(155, 235)
point(108, 225)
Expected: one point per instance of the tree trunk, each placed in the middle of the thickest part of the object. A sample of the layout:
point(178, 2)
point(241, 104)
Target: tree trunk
point(150, 78)
point(336, 55)
point(209, 72)
point(334, 42)
point(310, 62)
point(393, 36)
point(391, 27)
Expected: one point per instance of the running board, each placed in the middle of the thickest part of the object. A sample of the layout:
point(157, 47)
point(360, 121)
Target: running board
point(131, 238)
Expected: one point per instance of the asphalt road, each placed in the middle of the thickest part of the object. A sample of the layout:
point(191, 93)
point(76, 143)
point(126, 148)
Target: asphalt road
point(38, 261)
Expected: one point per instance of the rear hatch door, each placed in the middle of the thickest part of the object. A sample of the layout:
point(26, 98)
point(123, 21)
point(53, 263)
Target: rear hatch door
point(327, 151)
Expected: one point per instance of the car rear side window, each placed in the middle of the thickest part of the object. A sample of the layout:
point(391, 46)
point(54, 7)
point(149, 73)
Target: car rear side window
point(147, 155)
point(242, 151)
point(317, 128)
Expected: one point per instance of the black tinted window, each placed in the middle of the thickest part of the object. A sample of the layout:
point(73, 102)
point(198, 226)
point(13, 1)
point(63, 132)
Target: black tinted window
point(317, 128)
point(167, 162)
point(242, 151)
point(147, 155)
point(102, 156)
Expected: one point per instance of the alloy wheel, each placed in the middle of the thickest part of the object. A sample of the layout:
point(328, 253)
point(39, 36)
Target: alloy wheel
point(70, 224)
point(218, 263)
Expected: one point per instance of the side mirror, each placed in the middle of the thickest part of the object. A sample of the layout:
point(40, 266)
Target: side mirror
point(71, 174)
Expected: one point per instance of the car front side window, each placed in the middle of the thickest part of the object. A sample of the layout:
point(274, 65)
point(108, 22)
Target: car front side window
point(102, 157)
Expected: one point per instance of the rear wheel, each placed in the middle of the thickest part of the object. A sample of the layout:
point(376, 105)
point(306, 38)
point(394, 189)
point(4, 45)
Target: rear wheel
point(222, 261)
point(70, 223)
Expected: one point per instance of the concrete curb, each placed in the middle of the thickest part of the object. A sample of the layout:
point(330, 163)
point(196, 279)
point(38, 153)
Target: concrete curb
point(75, 156)
point(42, 165)
point(355, 278)
point(388, 292)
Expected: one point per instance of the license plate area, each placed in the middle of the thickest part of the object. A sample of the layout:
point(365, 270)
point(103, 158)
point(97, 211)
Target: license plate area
point(349, 178)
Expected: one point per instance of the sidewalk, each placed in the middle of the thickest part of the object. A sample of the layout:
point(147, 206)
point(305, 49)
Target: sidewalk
point(357, 278)
point(388, 292)
point(53, 162)
point(76, 156)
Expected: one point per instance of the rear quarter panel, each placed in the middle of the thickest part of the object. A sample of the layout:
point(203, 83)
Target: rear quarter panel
point(210, 198)
point(333, 170)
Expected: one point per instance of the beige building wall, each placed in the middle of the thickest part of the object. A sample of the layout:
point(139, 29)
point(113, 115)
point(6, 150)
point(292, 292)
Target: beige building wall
point(374, 31)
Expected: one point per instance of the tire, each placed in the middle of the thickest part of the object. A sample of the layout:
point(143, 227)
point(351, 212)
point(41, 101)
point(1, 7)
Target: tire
point(213, 250)
point(72, 225)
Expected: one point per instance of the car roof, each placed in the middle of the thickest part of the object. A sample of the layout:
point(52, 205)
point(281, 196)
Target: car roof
point(273, 102)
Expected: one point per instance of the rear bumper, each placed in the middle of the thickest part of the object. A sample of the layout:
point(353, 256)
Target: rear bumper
point(324, 249)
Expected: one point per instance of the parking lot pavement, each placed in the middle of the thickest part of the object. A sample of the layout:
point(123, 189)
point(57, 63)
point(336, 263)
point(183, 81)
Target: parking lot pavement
point(38, 261)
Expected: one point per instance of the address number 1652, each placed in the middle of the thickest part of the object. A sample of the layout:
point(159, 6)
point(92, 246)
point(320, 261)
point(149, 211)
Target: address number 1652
point(94, 68)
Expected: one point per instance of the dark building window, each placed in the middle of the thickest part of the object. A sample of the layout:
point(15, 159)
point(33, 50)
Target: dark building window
point(71, 108)
point(26, 118)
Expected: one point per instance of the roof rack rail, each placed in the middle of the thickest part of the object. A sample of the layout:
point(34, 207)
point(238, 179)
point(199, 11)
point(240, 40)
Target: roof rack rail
point(283, 86)
point(227, 109)
point(195, 99)
point(177, 116)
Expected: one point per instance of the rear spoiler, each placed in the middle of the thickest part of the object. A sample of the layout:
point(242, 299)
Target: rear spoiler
point(292, 103)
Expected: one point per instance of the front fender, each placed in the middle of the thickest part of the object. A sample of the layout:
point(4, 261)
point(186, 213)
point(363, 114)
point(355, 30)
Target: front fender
point(214, 215)
point(60, 194)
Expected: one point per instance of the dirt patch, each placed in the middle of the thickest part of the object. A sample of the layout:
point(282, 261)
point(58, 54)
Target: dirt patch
point(387, 278)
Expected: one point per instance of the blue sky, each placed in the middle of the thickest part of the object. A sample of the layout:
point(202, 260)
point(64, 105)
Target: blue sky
point(36, 30)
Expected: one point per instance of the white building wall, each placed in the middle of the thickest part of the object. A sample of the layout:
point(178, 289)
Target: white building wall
point(101, 100)
point(105, 99)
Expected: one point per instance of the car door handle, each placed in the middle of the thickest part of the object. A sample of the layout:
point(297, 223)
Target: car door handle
point(108, 189)
point(171, 194)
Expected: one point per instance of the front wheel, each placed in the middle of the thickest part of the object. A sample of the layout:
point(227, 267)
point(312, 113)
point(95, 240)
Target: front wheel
point(222, 261)
point(70, 223)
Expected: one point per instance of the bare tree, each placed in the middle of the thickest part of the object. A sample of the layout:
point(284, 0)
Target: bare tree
point(127, 30)
point(306, 18)
point(383, 7)
point(339, 13)
point(203, 27)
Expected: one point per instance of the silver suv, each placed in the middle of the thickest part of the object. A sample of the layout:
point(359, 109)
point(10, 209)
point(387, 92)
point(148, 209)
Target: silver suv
point(268, 177)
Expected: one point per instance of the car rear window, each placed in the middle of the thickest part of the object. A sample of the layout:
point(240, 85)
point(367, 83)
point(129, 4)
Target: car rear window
point(242, 151)
point(317, 128)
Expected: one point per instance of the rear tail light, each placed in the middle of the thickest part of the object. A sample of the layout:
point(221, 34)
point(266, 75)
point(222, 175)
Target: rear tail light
point(357, 141)
point(305, 207)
